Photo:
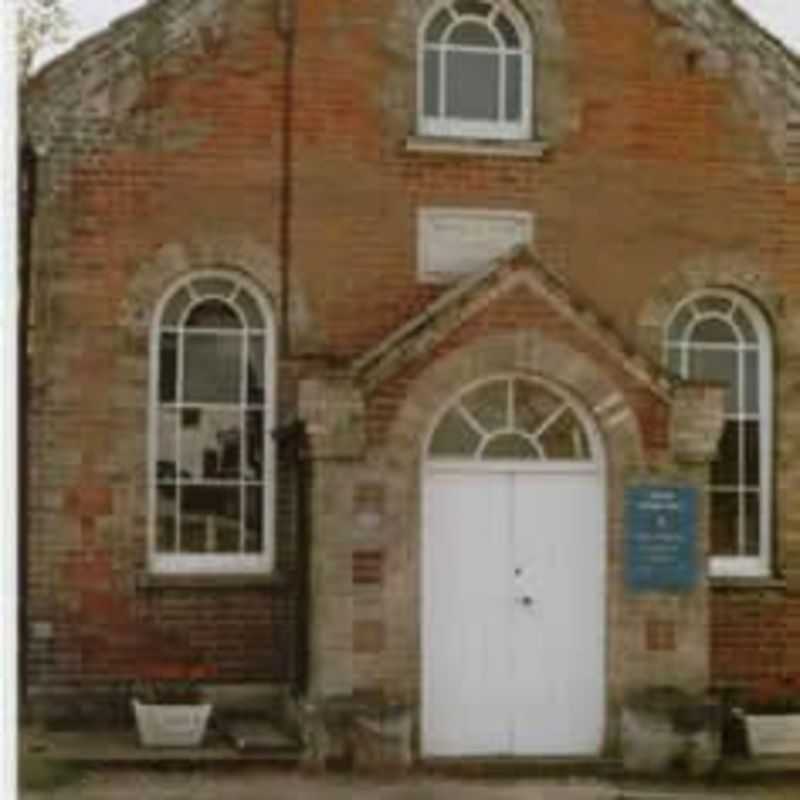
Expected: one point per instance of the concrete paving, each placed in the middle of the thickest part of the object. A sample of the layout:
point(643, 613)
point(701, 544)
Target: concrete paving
point(258, 784)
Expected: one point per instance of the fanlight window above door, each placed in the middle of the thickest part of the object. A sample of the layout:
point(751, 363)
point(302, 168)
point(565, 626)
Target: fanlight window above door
point(511, 419)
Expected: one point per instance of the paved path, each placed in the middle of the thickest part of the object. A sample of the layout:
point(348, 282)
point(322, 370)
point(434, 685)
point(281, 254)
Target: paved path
point(260, 785)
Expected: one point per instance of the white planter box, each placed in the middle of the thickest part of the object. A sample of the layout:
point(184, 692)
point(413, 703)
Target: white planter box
point(773, 734)
point(171, 726)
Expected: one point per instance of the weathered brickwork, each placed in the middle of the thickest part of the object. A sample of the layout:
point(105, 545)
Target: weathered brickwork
point(667, 164)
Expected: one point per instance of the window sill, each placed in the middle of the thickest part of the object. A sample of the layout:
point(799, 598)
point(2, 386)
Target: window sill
point(450, 145)
point(753, 582)
point(240, 581)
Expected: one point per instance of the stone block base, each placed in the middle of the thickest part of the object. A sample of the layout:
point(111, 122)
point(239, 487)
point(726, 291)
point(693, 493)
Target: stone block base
point(366, 737)
point(668, 731)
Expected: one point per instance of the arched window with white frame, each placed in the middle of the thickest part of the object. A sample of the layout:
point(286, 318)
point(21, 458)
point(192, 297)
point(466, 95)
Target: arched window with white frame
point(723, 337)
point(475, 66)
point(212, 411)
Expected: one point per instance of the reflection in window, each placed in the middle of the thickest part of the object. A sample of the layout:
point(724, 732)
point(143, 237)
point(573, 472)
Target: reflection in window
point(721, 337)
point(211, 467)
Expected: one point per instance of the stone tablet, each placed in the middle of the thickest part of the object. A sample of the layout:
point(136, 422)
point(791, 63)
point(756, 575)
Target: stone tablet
point(453, 242)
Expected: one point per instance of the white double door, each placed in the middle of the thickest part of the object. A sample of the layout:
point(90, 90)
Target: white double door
point(513, 613)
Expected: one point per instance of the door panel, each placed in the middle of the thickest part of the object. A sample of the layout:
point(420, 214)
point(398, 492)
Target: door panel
point(558, 640)
point(501, 676)
point(466, 618)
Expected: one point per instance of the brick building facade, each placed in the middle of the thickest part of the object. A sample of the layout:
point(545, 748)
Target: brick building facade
point(363, 221)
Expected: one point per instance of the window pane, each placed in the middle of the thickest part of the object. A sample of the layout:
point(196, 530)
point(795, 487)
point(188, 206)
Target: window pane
point(166, 533)
point(752, 402)
point(166, 456)
point(437, 26)
point(472, 85)
point(479, 8)
point(255, 371)
point(254, 467)
point(489, 405)
point(752, 453)
point(249, 308)
point(212, 368)
point(717, 366)
point(178, 303)
point(213, 314)
point(752, 524)
point(724, 523)
point(716, 331)
point(678, 326)
point(675, 361)
point(742, 322)
point(507, 31)
point(725, 467)
point(210, 519)
point(454, 436)
point(432, 86)
point(565, 438)
point(254, 520)
point(473, 34)
point(212, 286)
point(532, 406)
point(713, 304)
point(168, 367)
point(509, 446)
point(212, 448)
point(513, 88)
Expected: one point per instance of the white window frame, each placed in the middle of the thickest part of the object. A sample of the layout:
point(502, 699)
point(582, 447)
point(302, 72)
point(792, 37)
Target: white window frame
point(214, 563)
point(739, 565)
point(444, 126)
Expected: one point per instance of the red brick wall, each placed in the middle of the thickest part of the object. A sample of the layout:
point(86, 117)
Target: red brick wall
point(660, 161)
point(754, 642)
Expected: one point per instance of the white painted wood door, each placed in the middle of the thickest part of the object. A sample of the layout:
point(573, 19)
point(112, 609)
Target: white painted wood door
point(513, 613)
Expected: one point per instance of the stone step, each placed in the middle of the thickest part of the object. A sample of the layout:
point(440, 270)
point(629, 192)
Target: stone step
point(255, 734)
point(513, 767)
point(120, 747)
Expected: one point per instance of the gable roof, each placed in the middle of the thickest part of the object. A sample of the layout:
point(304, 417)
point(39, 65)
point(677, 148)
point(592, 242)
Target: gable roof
point(161, 28)
point(766, 68)
point(84, 83)
point(520, 269)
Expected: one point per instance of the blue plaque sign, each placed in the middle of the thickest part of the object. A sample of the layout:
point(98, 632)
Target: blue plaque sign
point(661, 538)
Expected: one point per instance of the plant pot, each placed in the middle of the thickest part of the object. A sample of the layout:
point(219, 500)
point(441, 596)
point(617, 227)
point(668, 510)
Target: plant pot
point(773, 734)
point(171, 725)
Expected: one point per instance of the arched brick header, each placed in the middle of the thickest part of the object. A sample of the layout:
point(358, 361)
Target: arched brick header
point(525, 353)
point(176, 260)
point(240, 255)
point(722, 271)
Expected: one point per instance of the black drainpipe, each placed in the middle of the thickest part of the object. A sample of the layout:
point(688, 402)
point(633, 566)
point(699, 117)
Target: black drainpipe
point(285, 24)
point(28, 174)
point(293, 436)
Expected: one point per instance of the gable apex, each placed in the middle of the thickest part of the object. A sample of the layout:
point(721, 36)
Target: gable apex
point(519, 269)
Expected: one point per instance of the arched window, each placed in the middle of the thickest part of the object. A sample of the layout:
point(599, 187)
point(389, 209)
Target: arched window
point(512, 419)
point(211, 413)
point(722, 337)
point(475, 67)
